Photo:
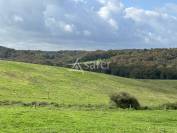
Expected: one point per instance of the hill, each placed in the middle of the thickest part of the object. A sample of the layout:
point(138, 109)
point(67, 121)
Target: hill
point(82, 99)
point(130, 63)
point(30, 82)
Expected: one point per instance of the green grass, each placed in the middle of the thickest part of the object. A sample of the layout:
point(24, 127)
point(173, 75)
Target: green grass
point(43, 120)
point(29, 82)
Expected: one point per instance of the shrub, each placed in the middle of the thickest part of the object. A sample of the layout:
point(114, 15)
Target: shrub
point(43, 104)
point(6, 102)
point(34, 103)
point(27, 104)
point(54, 104)
point(124, 100)
point(170, 106)
point(16, 103)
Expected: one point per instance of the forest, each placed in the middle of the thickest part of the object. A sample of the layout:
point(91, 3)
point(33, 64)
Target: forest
point(130, 63)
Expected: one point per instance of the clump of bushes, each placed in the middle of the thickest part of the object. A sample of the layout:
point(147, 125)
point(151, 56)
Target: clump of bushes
point(30, 104)
point(169, 106)
point(124, 100)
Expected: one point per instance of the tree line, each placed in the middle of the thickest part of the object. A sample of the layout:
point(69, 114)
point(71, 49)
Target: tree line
point(131, 63)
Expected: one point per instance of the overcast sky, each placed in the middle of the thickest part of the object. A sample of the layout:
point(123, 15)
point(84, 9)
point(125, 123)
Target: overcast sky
point(88, 24)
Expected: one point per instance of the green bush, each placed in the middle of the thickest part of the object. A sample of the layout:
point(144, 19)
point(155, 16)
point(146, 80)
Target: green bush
point(170, 106)
point(125, 100)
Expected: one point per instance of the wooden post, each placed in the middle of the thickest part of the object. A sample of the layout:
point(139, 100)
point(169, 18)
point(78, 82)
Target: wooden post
point(48, 94)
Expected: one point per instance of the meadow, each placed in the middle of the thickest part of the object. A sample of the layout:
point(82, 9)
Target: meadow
point(43, 120)
point(84, 100)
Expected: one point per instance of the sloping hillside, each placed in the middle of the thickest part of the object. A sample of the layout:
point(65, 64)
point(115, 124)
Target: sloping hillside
point(29, 82)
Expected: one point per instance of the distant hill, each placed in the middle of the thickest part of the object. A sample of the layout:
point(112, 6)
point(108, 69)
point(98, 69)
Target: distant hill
point(131, 63)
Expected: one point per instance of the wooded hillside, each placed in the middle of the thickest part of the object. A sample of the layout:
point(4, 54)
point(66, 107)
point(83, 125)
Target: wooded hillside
point(135, 63)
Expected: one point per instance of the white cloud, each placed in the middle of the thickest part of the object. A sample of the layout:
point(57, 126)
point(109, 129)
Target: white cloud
point(108, 10)
point(109, 7)
point(84, 23)
point(56, 26)
point(169, 8)
point(68, 28)
point(113, 23)
point(153, 25)
point(18, 18)
point(141, 15)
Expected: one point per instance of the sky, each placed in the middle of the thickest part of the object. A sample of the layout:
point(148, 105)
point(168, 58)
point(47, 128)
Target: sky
point(88, 24)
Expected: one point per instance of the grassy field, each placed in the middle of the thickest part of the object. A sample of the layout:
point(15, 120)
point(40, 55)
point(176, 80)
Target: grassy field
point(28, 83)
point(42, 120)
